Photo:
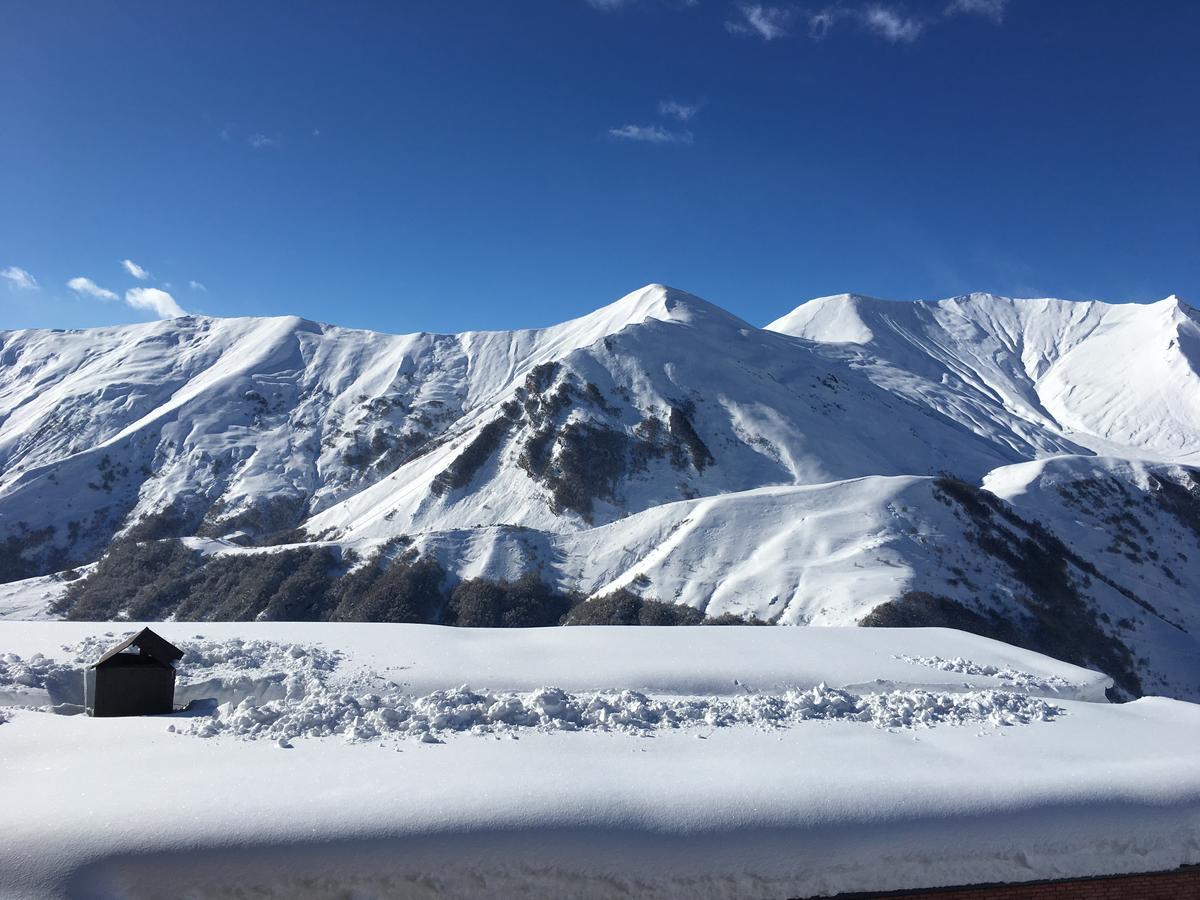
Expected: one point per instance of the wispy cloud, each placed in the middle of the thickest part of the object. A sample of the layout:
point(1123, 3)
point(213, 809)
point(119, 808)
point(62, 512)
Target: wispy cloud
point(197, 286)
point(159, 302)
point(651, 134)
point(260, 141)
point(886, 20)
point(85, 286)
point(135, 270)
point(991, 9)
point(756, 20)
point(19, 279)
point(683, 112)
point(892, 25)
point(820, 23)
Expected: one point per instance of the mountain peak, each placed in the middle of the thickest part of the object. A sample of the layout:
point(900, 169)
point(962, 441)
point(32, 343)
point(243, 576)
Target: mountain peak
point(1176, 303)
point(837, 318)
point(654, 301)
point(661, 301)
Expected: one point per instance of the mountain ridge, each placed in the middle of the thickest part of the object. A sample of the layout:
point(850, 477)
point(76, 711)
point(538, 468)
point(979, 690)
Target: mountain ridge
point(659, 445)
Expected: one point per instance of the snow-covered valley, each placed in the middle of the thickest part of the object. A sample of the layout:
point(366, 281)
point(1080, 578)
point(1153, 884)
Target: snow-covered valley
point(1021, 468)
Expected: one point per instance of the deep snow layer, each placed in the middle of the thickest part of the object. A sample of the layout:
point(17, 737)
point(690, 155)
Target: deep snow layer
point(800, 806)
point(266, 689)
point(693, 661)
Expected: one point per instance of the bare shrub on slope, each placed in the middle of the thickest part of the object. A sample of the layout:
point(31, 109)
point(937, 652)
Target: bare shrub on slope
point(1058, 619)
point(464, 466)
point(623, 607)
point(525, 603)
point(406, 589)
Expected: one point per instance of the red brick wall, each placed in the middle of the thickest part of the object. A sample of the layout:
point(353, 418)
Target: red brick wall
point(1181, 884)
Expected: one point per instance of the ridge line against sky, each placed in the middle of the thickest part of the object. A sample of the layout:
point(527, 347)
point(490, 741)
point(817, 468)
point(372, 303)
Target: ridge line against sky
point(410, 169)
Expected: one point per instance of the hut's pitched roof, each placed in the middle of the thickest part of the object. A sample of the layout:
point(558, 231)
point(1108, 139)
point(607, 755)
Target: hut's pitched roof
point(149, 643)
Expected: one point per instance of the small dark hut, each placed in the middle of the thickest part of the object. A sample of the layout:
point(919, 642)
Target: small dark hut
point(124, 683)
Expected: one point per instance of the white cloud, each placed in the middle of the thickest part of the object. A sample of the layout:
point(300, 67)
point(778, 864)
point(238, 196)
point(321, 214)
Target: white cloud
point(892, 25)
point(991, 9)
point(159, 302)
point(135, 270)
point(197, 286)
point(886, 20)
point(651, 134)
point(766, 22)
point(83, 285)
point(19, 279)
point(676, 110)
point(261, 141)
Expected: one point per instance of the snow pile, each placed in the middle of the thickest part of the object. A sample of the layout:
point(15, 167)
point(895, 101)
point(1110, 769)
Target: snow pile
point(263, 689)
point(1023, 680)
point(230, 669)
point(34, 672)
point(210, 657)
point(307, 701)
point(38, 681)
point(205, 659)
point(432, 717)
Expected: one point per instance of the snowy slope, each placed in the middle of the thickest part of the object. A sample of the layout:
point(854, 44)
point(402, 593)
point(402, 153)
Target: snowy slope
point(242, 422)
point(831, 554)
point(1104, 375)
point(662, 445)
point(256, 425)
point(591, 762)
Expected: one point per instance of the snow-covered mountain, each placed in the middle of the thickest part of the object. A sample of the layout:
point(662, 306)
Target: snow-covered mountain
point(1022, 468)
point(1110, 377)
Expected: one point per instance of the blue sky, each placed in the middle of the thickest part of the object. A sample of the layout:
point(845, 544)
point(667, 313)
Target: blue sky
point(448, 165)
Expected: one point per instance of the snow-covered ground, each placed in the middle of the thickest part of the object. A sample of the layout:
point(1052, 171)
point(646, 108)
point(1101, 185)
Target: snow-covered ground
point(392, 760)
